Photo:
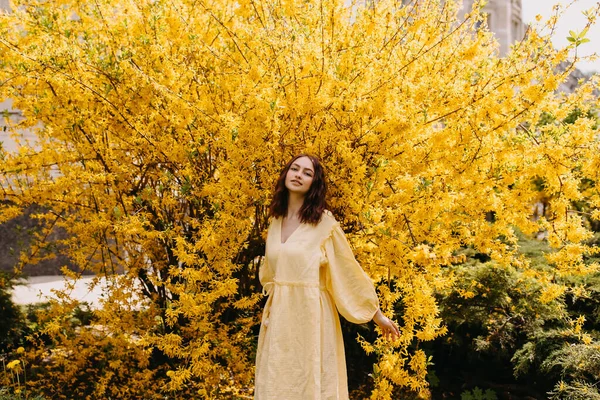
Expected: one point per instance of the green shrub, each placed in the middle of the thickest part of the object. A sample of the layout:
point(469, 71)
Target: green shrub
point(12, 322)
point(6, 395)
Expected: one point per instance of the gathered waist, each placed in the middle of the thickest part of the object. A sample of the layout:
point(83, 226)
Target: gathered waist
point(268, 287)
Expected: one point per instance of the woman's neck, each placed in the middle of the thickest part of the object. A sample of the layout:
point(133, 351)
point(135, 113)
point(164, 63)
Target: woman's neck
point(295, 202)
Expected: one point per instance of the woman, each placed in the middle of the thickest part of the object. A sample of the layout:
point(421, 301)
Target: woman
point(309, 274)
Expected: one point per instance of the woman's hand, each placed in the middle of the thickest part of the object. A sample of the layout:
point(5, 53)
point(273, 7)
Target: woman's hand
point(389, 330)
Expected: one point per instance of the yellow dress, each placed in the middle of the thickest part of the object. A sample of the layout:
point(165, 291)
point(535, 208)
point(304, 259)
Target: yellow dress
point(309, 279)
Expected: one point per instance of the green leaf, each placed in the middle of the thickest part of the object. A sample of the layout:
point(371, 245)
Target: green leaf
point(466, 396)
point(490, 395)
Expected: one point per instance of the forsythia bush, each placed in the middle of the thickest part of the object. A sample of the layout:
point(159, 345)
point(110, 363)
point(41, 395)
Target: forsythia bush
point(161, 127)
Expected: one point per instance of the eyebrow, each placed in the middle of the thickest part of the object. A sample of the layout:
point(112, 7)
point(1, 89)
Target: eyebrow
point(307, 168)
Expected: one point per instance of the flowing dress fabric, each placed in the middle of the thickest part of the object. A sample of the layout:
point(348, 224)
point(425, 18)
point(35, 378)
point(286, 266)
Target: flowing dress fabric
point(308, 279)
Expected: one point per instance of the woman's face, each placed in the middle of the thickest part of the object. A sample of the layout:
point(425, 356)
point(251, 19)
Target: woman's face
point(300, 176)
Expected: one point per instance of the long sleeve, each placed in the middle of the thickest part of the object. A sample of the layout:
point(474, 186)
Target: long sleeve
point(351, 288)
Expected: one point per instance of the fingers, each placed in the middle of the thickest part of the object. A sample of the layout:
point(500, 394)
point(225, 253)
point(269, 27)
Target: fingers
point(389, 330)
point(396, 330)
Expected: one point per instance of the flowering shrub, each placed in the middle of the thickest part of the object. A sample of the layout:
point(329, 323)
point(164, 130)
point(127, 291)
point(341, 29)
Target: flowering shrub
point(160, 129)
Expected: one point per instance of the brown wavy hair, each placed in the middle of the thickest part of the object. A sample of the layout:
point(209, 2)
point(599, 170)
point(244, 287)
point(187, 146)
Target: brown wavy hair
point(315, 201)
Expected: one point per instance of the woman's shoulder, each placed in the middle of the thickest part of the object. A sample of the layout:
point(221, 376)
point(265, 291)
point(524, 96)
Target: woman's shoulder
point(328, 219)
point(327, 215)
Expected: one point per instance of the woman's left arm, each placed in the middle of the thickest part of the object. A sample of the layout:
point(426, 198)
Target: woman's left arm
point(351, 288)
point(389, 329)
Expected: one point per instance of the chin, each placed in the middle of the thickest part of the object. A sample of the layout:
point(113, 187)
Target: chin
point(292, 188)
point(298, 190)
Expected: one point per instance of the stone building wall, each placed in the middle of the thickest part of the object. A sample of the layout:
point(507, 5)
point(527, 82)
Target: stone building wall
point(15, 237)
point(504, 19)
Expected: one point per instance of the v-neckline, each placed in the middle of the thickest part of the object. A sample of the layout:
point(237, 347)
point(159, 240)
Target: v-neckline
point(281, 232)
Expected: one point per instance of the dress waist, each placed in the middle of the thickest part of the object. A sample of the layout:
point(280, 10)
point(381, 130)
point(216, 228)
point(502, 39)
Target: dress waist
point(268, 287)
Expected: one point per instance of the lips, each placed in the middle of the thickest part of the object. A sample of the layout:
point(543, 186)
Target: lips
point(296, 182)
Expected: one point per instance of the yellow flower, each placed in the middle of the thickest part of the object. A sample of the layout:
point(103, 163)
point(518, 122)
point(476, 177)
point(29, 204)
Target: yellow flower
point(20, 350)
point(13, 364)
point(586, 339)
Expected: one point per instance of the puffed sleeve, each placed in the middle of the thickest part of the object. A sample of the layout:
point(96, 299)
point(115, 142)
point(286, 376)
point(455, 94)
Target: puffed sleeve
point(350, 287)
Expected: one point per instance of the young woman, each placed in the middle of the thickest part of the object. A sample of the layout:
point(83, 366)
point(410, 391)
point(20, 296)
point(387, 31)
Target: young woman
point(309, 274)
